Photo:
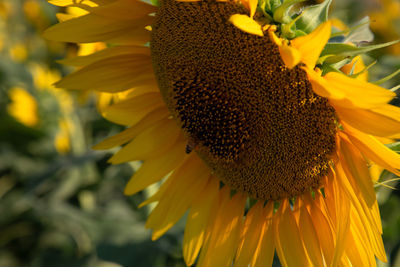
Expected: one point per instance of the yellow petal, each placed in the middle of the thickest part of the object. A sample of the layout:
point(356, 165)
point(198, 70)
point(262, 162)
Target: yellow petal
point(368, 215)
point(278, 41)
point(342, 206)
point(179, 196)
point(310, 237)
point(127, 50)
point(338, 207)
point(65, 3)
point(181, 170)
point(321, 86)
point(358, 250)
point(311, 45)
point(246, 24)
point(358, 93)
point(368, 235)
point(132, 110)
point(124, 9)
point(93, 28)
point(251, 234)
point(376, 217)
point(225, 232)
point(379, 121)
point(155, 169)
point(111, 75)
point(356, 170)
point(324, 231)
point(289, 243)
point(197, 221)
point(150, 143)
point(253, 6)
point(265, 250)
point(290, 56)
point(374, 149)
point(127, 135)
point(347, 92)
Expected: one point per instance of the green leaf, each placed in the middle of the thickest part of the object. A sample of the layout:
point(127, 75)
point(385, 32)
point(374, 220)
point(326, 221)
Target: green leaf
point(387, 78)
point(360, 32)
point(313, 16)
point(335, 52)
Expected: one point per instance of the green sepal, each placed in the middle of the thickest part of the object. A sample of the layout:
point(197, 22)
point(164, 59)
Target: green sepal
point(340, 64)
point(269, 5)
point(335, 52)
point(326, 68)
point(281, 14)
point(275, 4)
point(262, 6)
point(299, 33)
point(387, 78)
point(287, 31)
point(334, 67)
point(155, 2)
point(355, 75)
point(313, 16)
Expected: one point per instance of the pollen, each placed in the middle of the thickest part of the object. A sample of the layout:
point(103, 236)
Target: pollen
point(255, 123)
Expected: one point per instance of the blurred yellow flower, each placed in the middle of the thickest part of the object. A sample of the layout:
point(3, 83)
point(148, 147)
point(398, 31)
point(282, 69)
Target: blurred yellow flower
point(35, 14)
point(5, 9)
point(19, 52)
point(43, 77)
point(62, 140)
point(384, 21)
point(23, 107)
point(31, 9)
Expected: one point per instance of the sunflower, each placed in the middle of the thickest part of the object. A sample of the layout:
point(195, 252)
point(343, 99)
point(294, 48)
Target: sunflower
point(244, 113)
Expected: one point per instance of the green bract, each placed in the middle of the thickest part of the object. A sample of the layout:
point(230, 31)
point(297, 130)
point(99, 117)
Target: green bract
point(293, 20)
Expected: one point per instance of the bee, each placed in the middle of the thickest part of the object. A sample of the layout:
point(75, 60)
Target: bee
point(191, 145)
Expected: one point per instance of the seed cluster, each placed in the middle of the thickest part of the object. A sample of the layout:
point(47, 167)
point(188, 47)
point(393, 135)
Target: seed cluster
point(225, 132)
point(255, 123)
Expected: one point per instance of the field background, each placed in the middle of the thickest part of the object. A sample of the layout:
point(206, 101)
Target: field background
point(61, 203)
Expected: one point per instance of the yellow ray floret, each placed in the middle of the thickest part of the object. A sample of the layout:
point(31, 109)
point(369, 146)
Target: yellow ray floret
point(124, 9)
point(246, 24)
point(305, 49)
point(220, 247)
point(95, 28)
point(383, 121)
point(348, 92)
point(197, 221)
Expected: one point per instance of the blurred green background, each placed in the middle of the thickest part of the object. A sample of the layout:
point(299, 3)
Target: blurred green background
point(61, 203)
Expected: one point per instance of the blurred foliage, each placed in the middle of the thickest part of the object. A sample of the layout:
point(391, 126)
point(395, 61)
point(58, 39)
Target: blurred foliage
point(61, 203)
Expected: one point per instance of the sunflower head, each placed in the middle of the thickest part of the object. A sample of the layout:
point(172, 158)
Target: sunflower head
point(255, 122)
